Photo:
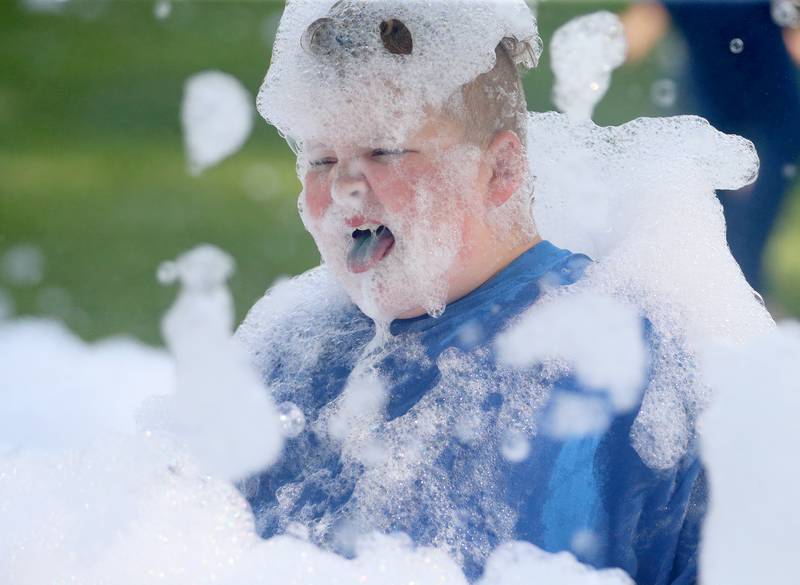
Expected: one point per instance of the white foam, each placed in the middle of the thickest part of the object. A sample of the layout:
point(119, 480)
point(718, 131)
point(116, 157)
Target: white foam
point(749, 443)
point(598, 336)
point(639, 199)
point(786, 13)
point(62, 393)
point(220, 409)
point(583, 53)
point(216, 116)
point(518, 563)
point(448, 51)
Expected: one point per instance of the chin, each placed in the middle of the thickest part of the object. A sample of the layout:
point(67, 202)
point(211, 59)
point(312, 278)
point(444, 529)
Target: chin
point(393, 289)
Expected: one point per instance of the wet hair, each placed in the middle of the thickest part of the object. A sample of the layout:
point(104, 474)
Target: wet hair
point(492, 102)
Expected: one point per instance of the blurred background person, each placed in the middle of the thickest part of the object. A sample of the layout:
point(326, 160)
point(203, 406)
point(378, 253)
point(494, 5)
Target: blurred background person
point(741, 75)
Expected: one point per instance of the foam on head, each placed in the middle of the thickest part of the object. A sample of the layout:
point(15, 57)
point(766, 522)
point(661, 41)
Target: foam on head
point(370, 68)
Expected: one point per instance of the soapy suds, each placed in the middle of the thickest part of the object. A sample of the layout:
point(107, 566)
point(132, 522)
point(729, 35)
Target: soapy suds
point(584, 52)
point(85, 488)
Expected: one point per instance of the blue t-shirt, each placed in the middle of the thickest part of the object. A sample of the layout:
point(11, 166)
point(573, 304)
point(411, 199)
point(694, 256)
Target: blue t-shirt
point(456, 458)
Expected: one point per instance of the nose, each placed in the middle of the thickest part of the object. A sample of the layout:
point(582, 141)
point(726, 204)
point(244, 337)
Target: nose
point(350, 186)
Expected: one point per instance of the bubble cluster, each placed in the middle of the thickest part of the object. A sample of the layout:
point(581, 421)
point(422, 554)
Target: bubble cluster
point(583, 54)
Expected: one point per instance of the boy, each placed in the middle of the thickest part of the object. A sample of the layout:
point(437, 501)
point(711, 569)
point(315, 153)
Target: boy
point(408, 120)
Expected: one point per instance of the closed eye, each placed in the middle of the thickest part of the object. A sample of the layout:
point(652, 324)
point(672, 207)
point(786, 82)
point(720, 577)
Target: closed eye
point(323, 162)
point(381, 152)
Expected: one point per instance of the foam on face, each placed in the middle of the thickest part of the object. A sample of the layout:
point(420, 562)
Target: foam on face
point(354, 86)
point(421, 211)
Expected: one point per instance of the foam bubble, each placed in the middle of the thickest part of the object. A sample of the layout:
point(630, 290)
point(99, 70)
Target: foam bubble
point(23, 265)
point(217, 117)
point(736, 45)
point(515, 446)
point(663, 93)
point(292, 419)
point(583, 53)
point(162, 9)
point(786, 13)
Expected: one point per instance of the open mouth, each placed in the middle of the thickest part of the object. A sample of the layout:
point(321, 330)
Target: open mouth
point(370, 246)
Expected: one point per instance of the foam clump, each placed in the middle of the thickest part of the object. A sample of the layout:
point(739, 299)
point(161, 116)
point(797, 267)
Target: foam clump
point(786, 13)
point(519, 563)
point(584, 52)
point(379, 559)
point(216, 116)
point(414, 45)
point(84, 392)
point(749, 442)
point(220, 408)
point(599, 337)
point(639, 199)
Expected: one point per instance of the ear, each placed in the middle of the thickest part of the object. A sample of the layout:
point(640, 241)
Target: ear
point(507, 160)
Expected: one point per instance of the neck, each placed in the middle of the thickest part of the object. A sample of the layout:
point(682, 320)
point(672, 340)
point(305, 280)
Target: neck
point(481, 263)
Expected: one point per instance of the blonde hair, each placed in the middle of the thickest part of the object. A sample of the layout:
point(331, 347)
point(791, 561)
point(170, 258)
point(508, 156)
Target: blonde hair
point(492, 102)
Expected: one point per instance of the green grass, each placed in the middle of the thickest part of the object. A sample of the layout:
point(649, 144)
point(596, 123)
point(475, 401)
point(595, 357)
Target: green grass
point(92, 168)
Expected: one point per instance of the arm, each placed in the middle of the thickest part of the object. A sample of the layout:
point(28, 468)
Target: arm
point(791, 38)
point(645, 24)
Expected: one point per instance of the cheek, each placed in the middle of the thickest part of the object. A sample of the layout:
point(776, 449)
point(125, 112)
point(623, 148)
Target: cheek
point(317, 195)
point(400, 185)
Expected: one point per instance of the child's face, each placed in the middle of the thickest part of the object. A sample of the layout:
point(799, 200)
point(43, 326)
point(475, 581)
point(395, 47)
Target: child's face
point(398, 222)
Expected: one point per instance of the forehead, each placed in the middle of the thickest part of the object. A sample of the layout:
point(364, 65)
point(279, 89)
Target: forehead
point(432, 131)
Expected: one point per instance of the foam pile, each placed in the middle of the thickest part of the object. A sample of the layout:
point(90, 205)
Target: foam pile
point(749, 441)
point(83, 485)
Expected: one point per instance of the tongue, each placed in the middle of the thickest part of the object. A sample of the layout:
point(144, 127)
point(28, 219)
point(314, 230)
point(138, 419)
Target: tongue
point(369, 249)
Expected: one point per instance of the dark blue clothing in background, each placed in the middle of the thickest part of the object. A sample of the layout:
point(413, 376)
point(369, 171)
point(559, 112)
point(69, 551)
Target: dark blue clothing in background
point(753, 93)
point(592, 494)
